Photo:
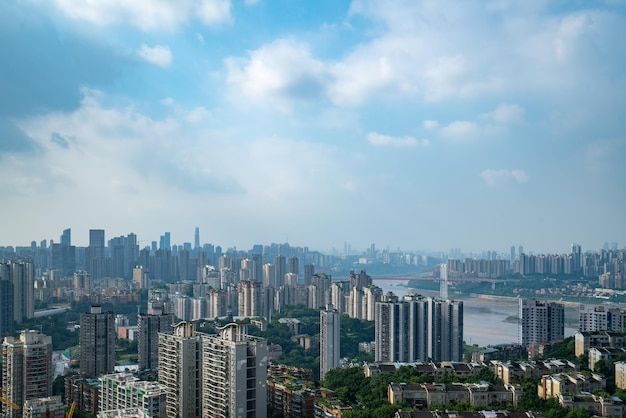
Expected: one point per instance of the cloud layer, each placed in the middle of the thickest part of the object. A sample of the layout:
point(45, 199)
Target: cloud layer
point(391, 122)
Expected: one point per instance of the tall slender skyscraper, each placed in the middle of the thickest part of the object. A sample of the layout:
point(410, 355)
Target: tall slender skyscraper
point(196, 239)
point(66, 237)
point(97, 342)
point(330, 326)
point(6, 300)
point(280, 266)
point(27, 369)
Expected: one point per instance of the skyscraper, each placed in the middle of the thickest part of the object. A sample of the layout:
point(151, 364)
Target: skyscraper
point(196, 239)
point(221, 375)
point(293, 265)
point(280, 266)
point(234, 375)
point(540, 321)
point(27, 369)
point(6, 300)
point(249, 301)
point(66, 237)
point(330, 325)
point(97, 342)
point(418, 328)
point(95, 263)
point(20, 276)
point(180, 371)
point(148, 340)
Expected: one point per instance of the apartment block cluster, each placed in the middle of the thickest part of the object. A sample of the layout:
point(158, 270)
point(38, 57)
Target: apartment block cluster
point(607, 264)
point(198, 374)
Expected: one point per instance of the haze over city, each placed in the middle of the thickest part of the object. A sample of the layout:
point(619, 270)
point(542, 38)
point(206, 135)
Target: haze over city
point(417, 125)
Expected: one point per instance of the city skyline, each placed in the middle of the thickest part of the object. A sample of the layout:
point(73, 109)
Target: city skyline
point(164, 240)
point(414, 125)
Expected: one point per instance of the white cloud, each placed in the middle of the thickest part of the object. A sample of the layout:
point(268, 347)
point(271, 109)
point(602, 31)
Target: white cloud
point(404, 141)
point(212, 12)
point(147, 14)
point(506, 114)
point(281, 70)
point(494, 177)
point(461, 130)
point(430, 124)
point(158, 55)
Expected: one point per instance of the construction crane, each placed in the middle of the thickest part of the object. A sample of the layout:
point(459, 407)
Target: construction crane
point(11, 404)
point(71, 411)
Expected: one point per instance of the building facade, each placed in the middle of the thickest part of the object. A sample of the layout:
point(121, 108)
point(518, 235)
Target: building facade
point(97, 342)
point(223, 375)
point(124, 390)
point(234, 374)
point(418, 328)
point(148, 342)
point(179, 370)
point(330, 325)
point(540, 321)
point(26, 369)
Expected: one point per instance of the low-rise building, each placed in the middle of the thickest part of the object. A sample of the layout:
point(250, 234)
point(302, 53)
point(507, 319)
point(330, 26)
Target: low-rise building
point(551, 386)
point(583, 341)
point(604, 354)
point(430, 394)
point(596, 405)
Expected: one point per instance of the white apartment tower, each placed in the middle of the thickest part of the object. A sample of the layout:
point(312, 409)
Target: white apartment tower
point(234, 374)
point(418, 328)
point(26, 369)
point(540, 321)
point(179, 370)
point(330, 325)
point(223, 375)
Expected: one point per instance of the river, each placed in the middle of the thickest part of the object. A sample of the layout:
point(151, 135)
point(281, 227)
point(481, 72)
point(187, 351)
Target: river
point(486, 321)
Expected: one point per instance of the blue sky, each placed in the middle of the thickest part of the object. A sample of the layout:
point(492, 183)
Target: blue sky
point(420, 125)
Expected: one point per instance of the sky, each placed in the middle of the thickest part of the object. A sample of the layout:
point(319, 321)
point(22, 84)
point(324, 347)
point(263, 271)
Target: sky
point(411, 124)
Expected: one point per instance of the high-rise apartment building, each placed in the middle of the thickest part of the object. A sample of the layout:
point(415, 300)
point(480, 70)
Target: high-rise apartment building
point(148, 340)
point(223, 375)
point(249, 300)
point(309, 271)
point(17, 289)
point(6, 301)
point(124, 390)
point(540, 321)
point(180, 366)
point(280, 269)
point(293, 265)
point(26, 369)
point(330, 326)
point(97, 342)
point(234, 374)
point(418, 328)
